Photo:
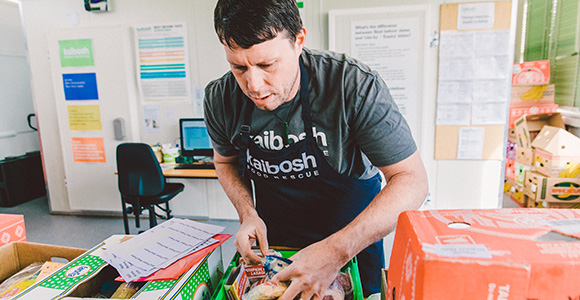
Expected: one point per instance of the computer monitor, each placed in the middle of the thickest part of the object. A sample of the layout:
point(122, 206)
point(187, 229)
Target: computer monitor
point(193, 137)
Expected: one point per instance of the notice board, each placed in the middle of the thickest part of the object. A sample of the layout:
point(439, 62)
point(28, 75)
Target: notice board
point(476, 47)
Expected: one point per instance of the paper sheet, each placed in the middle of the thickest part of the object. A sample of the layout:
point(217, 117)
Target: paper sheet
point(470, 143)
point(159, 246)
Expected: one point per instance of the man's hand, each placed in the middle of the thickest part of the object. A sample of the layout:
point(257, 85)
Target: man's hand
point(312, 271)
point(252, 229)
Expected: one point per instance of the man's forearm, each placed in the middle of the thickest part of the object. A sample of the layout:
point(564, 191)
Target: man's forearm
point(239, 194)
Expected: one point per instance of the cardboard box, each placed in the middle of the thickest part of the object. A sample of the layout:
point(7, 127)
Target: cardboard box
point(518, 112)
point(525, 155)
point(557, 152)
point(520, 170)
point(551, 189)
point(528, 126)
point(531, 72)
point(16, 256)
point(221, 292)
point(510, 171)
point(516, 253)
point(86, 274)
point(12, 229)
point(512, 135)
point(532, 95)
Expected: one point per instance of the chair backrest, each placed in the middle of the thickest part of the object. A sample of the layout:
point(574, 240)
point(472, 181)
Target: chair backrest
point(138, 170)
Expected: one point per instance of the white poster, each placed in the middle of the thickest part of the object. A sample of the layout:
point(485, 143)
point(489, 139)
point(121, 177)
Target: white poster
point(390, 46)
point(473, 85)
point(470, 142)
point(163, 62)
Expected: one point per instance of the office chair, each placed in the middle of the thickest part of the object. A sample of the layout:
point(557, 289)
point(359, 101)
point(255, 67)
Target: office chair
point(142, 184)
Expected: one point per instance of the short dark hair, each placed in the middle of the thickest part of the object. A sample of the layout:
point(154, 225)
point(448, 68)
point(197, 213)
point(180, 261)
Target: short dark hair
point(244, 23)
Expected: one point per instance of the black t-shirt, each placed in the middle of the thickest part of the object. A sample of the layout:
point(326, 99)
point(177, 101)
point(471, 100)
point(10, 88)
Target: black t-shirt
point(356, 122)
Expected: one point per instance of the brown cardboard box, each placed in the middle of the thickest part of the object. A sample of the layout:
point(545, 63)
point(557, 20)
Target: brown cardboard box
point(525, 155)
point(528, 126)
point(518, 253)
point(556, 149)
point(551, 189)
point(532, 95)
point(16, 256)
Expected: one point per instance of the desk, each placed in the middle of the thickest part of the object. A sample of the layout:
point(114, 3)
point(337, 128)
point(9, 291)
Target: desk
point(189, 173)
point(203, 195)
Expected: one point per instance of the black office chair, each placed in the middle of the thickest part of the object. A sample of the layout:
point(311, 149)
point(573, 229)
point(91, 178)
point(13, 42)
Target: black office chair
point(142, 184)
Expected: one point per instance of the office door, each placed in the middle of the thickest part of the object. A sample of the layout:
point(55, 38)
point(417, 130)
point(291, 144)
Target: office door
point(93, 86)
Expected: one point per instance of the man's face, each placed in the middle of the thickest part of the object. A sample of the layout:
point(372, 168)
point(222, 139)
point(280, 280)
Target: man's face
point(268, 73)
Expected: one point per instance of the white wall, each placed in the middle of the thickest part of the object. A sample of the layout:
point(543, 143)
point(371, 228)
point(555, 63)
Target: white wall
point(453, 184)
point(16, 138)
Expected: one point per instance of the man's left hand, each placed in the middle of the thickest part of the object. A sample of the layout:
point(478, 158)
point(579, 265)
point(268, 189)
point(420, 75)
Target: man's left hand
point(311, 272)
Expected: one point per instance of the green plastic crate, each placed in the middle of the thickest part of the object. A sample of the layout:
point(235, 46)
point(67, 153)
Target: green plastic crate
point(351, 267)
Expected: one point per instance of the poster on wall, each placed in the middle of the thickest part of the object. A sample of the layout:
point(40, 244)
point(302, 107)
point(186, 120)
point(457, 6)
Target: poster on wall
point(91, 150)
point(390, 46)
point(80, 86)
point(84, 117)
point(163, 63)
point(76, 53)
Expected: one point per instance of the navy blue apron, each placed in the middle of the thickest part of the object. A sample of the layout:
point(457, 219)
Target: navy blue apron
point(302, 199)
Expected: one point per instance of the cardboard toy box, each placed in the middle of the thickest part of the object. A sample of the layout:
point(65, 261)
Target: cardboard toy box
point(528, 127)
point(557, 152)
point(12, 229)
point(531, 72)
point(551, 189)
point(86, 274)
point(518, 112)
point(532, 95)
point(495, 254)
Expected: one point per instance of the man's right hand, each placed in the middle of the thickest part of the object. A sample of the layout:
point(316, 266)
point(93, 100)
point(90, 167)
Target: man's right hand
point(253, 228)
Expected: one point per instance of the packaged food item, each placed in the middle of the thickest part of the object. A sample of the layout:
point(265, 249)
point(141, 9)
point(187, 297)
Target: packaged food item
point(274, 264)
point(266, 291)
point(21, 280)
point(127, 289)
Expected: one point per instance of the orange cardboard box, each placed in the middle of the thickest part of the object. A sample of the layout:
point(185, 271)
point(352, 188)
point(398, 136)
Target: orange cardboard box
point(517, 112)
point(518, 253)
point(531, 72)
point(12, 229)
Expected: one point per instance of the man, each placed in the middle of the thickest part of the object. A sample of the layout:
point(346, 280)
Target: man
point(302, 132)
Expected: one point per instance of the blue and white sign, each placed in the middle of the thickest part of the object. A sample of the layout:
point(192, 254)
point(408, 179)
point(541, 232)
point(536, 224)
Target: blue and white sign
point(82, 86)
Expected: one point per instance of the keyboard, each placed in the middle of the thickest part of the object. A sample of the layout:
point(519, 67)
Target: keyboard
point(194, 166)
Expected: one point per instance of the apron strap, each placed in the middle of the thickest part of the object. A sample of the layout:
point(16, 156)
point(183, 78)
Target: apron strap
point(304, 96)
point(245, 139)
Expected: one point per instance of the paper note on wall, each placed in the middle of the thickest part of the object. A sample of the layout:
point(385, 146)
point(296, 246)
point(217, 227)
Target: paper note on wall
point(163, 62)
point(88, 150)
point(470, 143)
point(84, 117)
point(475, 15)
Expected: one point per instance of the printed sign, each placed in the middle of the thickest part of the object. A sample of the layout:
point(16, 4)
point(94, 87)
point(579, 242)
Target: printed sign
point(88, 150)
point(81, 86)
point(84, 117)
point(76, 53)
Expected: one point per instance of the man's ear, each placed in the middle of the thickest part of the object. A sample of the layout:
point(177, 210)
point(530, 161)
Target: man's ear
point(301, 38)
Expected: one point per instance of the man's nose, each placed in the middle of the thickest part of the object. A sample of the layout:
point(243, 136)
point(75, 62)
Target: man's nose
point(254, 79)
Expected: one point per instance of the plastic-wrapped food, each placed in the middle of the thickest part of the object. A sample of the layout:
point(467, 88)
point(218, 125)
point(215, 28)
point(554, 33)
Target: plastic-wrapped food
point(21, 280)
point(274, 264)
point(345, 281)
point(334, 292)
point(266, 291)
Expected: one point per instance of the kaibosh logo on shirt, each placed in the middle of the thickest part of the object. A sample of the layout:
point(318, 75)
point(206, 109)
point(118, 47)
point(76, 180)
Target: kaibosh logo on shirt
point(298, 168)
point(269, 140)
